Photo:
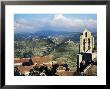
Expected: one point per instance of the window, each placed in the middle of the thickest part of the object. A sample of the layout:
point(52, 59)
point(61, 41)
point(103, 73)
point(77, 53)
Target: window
point(84, 44)
point(88, 43)
point(86, 34)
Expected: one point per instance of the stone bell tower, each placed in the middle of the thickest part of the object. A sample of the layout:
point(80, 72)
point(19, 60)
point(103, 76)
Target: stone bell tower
point(86, 46)
point(86, 42)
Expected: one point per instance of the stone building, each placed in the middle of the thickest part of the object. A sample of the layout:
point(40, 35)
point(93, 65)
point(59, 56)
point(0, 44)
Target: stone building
point(86, 47)
point(86, 42)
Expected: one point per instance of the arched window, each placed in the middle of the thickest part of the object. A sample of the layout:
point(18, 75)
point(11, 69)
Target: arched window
point(84, 44)
point(88, 43)
point(86, 34)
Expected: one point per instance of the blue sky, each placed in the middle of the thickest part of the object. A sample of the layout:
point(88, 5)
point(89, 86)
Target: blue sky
point(57, 22)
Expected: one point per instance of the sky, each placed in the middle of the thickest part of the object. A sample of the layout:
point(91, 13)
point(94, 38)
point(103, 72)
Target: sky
point(55, 22)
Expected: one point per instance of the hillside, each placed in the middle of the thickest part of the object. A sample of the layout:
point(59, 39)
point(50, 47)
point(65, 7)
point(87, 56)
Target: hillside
point(58, 45)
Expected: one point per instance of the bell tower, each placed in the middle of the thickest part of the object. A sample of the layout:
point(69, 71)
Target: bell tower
point(86, 54)
point(86, 42)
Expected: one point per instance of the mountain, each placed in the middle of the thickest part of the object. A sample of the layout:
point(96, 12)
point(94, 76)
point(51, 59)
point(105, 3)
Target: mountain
point(74, 36)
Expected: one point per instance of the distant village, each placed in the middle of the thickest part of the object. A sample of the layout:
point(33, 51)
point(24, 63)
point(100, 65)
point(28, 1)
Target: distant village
point(43, 65)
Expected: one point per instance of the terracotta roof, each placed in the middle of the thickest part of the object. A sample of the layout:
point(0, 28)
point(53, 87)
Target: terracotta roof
point(21, 60)
point(49, 64)
point(65, 73)
point(38, 59)
point(24, 69)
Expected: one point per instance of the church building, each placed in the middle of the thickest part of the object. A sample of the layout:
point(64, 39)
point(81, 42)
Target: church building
point(86, 47)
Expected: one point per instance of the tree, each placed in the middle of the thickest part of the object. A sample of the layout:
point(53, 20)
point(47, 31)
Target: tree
point(28, 54)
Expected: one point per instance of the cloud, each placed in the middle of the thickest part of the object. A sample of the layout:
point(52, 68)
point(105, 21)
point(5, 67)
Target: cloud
point(22, 24)
point(58, 22)
point(72, 24)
